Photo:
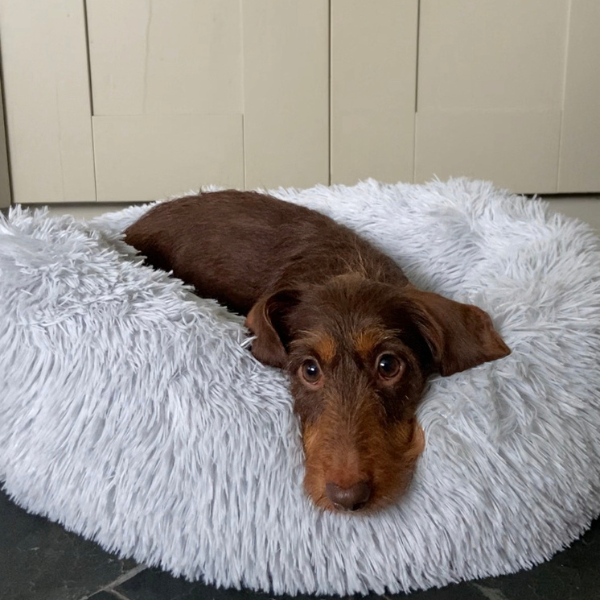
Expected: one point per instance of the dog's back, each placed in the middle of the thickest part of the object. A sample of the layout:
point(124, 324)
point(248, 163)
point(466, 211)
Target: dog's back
point(233, 245)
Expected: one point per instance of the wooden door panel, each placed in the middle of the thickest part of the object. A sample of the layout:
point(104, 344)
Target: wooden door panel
point(286, 92)
point(5, 195)
point(515, 149)
point(373, 84)
point(184, 57)
point(496, 68)
point(154, 156)
point(46, 90)
point(491, 54)
point(165, 56)
point(579, 169)
point(167, 92)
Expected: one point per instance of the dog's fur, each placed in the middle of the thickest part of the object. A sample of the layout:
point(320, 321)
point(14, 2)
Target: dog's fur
point(357, 339)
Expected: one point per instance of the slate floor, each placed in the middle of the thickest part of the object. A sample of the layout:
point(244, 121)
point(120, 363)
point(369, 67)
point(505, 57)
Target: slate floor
point(39, 560)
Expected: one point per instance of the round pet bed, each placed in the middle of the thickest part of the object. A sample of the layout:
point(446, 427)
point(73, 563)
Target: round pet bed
point(132, 413)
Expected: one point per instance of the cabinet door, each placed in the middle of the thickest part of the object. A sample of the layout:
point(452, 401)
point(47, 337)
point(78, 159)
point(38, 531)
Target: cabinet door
point(46, 90)
point(286, 92)
point(579, 167)
point(4, 176)
point(193, 92)
point(373, 84)
point(167, 97)
point(490, 88)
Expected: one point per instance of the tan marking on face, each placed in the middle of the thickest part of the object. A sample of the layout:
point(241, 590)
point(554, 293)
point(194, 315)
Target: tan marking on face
point(325, 346)
point(366, 340)
point(410, 439)
point(309, 437)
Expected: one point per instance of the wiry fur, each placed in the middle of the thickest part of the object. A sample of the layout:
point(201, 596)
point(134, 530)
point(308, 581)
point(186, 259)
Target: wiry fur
point(131, 413)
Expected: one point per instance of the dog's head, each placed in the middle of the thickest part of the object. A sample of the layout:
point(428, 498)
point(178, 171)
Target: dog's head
point(359, 353)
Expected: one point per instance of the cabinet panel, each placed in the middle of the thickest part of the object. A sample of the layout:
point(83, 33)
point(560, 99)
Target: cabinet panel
point(165, 56)
point(286, 92)
point(491, 54)
point(373, 84)
point(149, 157)
point(4, 176)
point(579, 169)
point(262, 93)
point(45, 72)
point(491, 78)
point(514, 149)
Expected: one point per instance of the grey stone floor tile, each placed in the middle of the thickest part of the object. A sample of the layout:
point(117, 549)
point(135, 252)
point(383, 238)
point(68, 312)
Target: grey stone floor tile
point(460, 591)
point(153, 584)
point(570, 575)
point(106, 596)
point(39, 560)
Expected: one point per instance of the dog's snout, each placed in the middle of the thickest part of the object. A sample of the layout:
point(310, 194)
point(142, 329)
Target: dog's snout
point(352, 498)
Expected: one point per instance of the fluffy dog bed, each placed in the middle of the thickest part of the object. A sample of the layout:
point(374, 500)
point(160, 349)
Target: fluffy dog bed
point(131, 412)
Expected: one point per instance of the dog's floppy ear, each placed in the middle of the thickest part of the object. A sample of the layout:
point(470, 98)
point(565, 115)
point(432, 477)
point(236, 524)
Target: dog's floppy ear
point(460, 336)
point(267, 321)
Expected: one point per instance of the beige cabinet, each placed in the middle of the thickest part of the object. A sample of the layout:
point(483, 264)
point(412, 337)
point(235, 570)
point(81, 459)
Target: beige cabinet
point(123, 100)
point(490, 90)
point(4, 172)
point(189, 92)
point(136, 99)
point(166, 95)
point(373, 87)
point(47, 100)
point(579, 162)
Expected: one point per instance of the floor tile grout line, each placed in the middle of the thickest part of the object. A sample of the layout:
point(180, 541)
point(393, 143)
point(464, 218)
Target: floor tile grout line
point(117, 594)
point(489, 593)
point(123, 578)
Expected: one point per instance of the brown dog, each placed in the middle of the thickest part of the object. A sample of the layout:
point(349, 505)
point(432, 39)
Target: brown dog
point(357, 339)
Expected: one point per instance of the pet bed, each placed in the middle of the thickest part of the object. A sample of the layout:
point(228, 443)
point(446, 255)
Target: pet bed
point(132, 413)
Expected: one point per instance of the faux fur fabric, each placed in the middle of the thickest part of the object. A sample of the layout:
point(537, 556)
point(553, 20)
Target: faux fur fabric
point(132, 413)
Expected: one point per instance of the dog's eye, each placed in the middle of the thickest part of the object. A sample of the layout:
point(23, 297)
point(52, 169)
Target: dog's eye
point(389, 366)
point(310, 371)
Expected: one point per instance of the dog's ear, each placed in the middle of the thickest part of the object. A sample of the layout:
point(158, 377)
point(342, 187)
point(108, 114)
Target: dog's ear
point(267, 320)
point(460, 336)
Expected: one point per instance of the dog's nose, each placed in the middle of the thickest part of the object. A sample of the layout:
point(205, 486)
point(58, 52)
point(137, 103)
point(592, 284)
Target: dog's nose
point(352, 498)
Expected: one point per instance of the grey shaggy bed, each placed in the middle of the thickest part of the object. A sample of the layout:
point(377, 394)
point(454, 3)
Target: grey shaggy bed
point(131, 412)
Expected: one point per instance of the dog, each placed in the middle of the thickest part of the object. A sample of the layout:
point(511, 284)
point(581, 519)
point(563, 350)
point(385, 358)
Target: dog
point(357, 339)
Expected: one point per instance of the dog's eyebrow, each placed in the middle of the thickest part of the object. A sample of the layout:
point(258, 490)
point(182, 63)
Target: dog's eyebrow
point(320, 342)
point(326, 347)
point(366, 340)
